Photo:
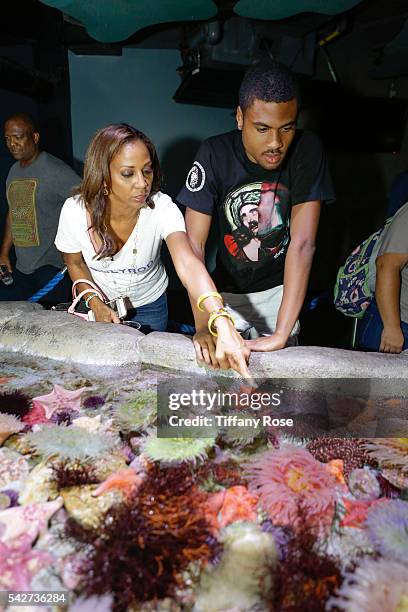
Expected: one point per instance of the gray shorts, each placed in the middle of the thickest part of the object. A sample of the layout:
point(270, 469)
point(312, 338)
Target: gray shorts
point(255, 314)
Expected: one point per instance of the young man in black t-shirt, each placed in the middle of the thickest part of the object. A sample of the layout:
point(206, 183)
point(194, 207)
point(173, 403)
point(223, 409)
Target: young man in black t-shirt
point(263, 184)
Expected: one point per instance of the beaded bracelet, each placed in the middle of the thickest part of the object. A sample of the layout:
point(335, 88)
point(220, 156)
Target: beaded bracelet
point(222, 312)
point(89, 298)
point(204, 296)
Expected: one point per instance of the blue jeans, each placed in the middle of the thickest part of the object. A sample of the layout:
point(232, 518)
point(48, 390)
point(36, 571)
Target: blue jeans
point(370, 329)
point(152, 317)
point(26, 285)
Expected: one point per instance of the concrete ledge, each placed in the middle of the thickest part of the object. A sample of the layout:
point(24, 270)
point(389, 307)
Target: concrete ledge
point(63, 337)
point(27, 328)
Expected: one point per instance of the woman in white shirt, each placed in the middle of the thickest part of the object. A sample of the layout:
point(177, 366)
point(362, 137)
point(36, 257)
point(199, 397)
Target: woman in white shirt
point(111, 233)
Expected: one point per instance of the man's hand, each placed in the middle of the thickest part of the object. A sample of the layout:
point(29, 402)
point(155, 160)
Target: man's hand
point(5, 261)
point(205, 347)
point(267, 343)
point(102, 312)
point(392, 340)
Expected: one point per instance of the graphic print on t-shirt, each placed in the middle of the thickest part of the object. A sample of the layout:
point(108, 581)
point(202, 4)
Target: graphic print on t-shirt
point(23, 214)
point(256, 217)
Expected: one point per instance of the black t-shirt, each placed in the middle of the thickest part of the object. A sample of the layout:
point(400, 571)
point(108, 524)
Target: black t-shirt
point(252, 206)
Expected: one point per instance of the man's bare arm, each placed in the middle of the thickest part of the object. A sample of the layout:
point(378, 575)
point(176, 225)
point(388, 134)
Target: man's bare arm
point(387, 295)
point(303, 229)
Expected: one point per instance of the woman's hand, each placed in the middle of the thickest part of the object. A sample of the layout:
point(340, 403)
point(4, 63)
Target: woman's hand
point(205, 347)
point(231, 351)
point(102, 312)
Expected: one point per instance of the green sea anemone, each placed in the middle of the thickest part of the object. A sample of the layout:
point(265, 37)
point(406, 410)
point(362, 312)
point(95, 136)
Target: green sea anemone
point(70, 442)
point(138, 413)
point(177, 450)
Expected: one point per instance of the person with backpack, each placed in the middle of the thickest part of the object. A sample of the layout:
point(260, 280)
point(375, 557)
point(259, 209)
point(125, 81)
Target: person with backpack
point(384, 326)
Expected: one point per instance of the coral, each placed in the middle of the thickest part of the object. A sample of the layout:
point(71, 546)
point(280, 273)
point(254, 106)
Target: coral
point(15, 402)
point(389, 452)
point(306, 577)
point(373, 586)
point(73, 474)
point(9, 424)
point(59, 399)
point(177, 450)
point(363, 484)
point(243, 578)
point(387, 528)
point(289, 477)
point(138, 413)
point(69, 442)
point(141, 549)
point(94, 401)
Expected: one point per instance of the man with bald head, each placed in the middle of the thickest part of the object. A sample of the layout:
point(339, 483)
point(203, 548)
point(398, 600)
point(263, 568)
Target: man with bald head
point(37, 186)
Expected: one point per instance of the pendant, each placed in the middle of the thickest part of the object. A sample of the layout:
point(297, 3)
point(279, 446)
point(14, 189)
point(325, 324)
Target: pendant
point(134, 251)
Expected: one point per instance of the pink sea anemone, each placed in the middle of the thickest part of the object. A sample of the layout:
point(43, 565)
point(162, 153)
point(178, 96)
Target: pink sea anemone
point(289, 479)
point(374, 586)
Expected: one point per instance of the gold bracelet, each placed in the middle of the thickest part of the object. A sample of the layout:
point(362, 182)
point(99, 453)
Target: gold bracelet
point(214, 315)
point(204, 296)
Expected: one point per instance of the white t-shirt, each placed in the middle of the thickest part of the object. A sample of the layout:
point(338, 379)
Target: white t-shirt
point(136, 271)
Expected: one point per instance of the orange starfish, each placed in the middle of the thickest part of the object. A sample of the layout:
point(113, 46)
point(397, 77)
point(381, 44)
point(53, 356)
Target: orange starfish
point(125, 480)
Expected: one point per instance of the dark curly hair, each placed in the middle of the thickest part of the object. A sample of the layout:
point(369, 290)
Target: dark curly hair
point(268, 81)
point(102, 149)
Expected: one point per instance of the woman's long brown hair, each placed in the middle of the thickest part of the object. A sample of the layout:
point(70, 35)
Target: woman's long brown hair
point(102, 149)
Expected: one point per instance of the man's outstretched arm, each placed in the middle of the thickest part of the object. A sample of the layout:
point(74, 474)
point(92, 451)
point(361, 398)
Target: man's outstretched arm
point(299, 257)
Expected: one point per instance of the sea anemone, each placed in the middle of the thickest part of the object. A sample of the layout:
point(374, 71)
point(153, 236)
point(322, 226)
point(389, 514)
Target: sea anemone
point(138, 413)
point(69, 443)
point(15, 402)
point(363, 484)
point(9, 424)
point(389, 452)
point(141, 549)
point(94, 401)
point(243, 578)
point(289, 478)
point(376, 585)
point(350, 450)
point(388, 529)
point(177, 450)
point(306, 577)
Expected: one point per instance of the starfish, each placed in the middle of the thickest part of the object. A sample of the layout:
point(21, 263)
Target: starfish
point(59, 399)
